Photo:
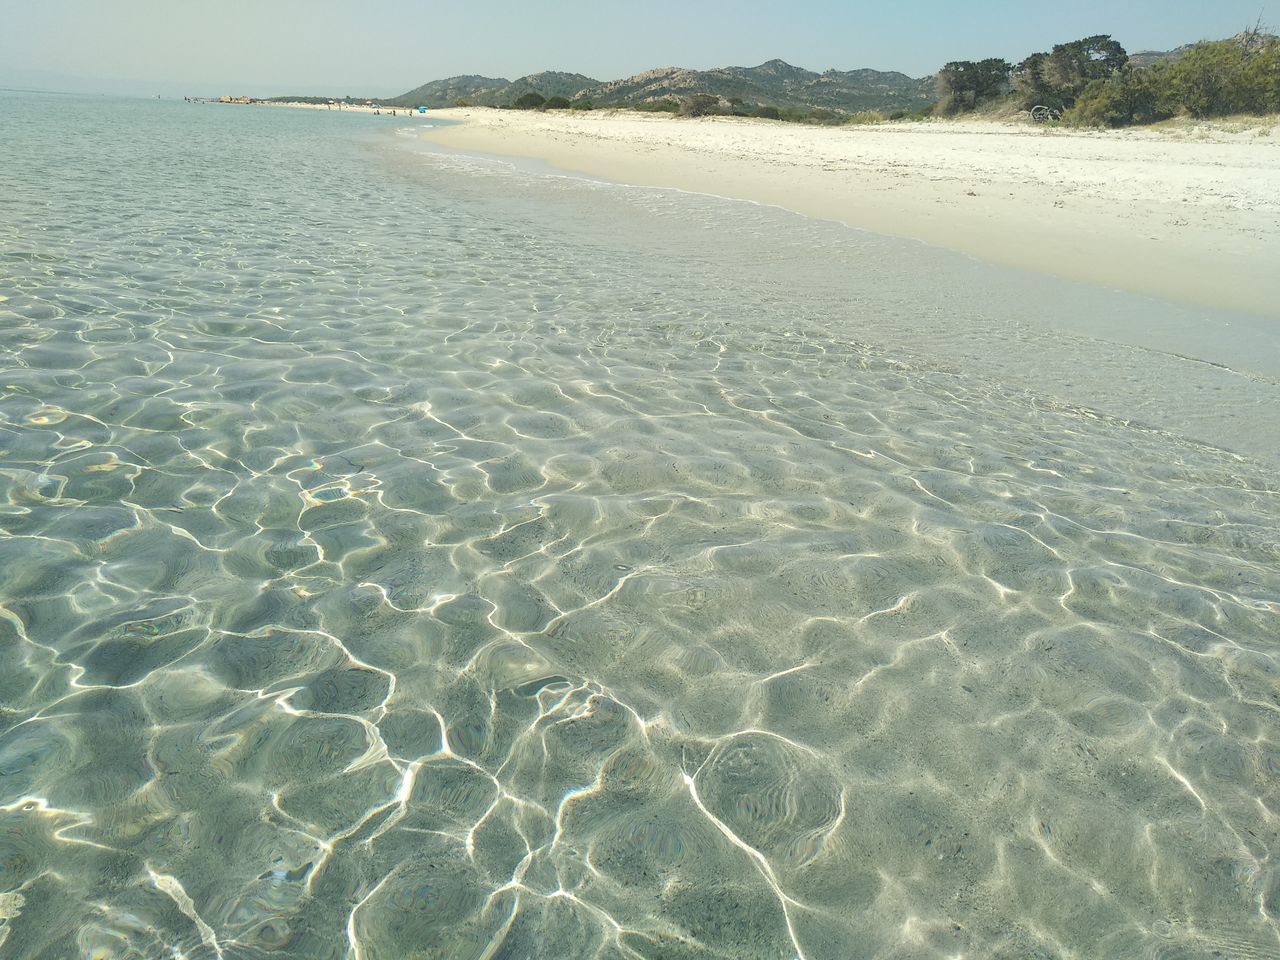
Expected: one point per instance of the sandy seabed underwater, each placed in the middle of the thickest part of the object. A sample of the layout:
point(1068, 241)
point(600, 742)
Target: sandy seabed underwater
point(411, 556)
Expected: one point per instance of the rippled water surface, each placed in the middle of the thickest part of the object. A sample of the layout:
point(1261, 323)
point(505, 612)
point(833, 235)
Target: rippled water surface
point(410, 556)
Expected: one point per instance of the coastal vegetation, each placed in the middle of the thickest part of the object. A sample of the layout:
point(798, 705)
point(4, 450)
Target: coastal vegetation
point(1092, 81)
point(530, 101)
point(1237, 76)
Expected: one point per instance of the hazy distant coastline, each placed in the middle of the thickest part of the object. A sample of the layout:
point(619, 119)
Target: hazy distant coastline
point(1092, 81)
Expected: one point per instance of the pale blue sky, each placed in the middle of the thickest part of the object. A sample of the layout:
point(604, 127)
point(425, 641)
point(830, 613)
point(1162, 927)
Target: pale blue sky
point(384, 47)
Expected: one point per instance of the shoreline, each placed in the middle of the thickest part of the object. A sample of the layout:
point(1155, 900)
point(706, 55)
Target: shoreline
point(1191, 217)
point(334, 108)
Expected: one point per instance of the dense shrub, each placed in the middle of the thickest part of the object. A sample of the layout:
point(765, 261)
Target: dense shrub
point(823, 115)
point(1093, 82)
point(557, 103)
point(1261, 76)
point(1211, 79)
point(700, 105)
point(530, 101)
point(659, 106)
point(1127, 98)
point(766, 113)
point(582, 105)
point(794, 114)
point(1226, 76)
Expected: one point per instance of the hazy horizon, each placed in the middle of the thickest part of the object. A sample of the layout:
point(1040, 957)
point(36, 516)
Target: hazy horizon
point(148, 47)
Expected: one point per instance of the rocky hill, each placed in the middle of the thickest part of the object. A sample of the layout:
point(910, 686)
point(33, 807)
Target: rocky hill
point(1248, 39)
point(494, 91)
point(1145, 58)
point(774, 83)
point(443, 93)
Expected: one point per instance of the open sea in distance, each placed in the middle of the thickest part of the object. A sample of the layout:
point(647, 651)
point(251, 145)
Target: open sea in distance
point(408, 555)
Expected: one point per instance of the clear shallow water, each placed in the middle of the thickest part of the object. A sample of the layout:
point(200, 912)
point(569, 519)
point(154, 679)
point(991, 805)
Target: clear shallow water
point(409, 557)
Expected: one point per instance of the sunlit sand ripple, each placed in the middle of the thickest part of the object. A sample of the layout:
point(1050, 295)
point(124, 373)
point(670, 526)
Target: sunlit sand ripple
point(392, 571)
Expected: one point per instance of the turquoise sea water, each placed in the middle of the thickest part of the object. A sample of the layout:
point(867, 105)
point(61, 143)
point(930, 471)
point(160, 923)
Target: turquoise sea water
point(412, 555)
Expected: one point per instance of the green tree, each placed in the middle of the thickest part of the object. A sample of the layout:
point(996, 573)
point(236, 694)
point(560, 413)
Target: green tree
point(1071, 66)
point(530, 101)
point(557, 103)
point(963, 84)
point(1030, 84)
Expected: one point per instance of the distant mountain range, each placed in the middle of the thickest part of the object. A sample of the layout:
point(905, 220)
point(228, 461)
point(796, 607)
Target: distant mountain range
point(495, 91)
point(775, 83)
point(1146, 58)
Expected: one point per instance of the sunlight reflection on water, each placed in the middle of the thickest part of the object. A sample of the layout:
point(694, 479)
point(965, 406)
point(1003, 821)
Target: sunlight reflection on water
point(401, 556)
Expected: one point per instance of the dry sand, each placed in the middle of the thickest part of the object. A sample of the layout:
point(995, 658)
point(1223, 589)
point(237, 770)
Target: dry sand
point(1190, 214)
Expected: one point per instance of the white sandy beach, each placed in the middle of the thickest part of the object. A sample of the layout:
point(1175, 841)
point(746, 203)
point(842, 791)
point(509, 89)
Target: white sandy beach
point(1191, 214)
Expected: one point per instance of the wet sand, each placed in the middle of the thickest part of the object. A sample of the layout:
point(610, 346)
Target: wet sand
point(1191, 215)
